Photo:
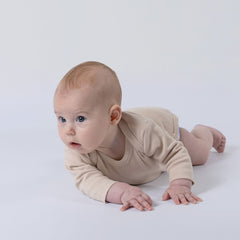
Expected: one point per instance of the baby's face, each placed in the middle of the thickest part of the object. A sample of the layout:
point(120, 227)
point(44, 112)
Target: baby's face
point(83, 122)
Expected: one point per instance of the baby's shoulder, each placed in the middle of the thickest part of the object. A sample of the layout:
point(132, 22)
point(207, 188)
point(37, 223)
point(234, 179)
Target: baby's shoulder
point(135, 121)
point(134, 126)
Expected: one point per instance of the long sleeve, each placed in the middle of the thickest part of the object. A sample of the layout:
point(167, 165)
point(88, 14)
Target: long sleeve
point(87, 177)
point(173, 156)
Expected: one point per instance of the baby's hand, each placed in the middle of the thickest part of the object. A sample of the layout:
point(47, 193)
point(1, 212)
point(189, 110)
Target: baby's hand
point(180, 192)
point(135, 197)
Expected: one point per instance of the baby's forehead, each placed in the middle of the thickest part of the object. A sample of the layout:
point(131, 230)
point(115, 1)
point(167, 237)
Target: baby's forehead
point(74, 100)
point(89, 90)
point(85, 94)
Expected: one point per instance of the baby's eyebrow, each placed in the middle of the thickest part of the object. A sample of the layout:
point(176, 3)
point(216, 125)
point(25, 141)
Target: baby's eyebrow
point(82, 112)
point(76, 113)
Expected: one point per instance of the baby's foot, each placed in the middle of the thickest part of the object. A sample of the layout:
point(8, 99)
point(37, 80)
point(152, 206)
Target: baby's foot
point(219, 140)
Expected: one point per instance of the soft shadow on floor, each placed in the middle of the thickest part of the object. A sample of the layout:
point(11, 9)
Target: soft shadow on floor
point(207, 177)
point(215, 172)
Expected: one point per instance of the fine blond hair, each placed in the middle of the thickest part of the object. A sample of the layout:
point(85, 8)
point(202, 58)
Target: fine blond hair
point(96, 75)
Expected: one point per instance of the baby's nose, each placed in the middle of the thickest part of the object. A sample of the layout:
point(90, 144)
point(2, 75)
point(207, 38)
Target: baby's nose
point(70, 131)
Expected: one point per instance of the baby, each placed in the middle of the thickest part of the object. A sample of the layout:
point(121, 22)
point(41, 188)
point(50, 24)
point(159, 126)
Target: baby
point(109, 152)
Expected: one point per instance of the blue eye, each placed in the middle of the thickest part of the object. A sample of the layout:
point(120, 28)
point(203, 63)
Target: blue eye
point(81, 119)
point(61, 119)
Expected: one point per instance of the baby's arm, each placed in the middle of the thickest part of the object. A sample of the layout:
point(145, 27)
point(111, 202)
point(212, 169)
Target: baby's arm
point(129, 196)
point(174, 159)
point(180, 192)
point(93, 183)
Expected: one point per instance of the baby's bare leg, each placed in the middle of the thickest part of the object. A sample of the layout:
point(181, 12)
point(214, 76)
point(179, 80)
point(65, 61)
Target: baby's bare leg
point(200, 141)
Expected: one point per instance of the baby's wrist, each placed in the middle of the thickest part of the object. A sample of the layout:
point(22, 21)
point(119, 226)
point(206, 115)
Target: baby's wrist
point(116, 191)
point(182, 181)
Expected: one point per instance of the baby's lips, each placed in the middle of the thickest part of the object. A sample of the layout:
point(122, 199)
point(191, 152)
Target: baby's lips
point(75, 145)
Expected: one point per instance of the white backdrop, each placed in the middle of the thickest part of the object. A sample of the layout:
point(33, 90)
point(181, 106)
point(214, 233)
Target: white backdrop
point(183, 55)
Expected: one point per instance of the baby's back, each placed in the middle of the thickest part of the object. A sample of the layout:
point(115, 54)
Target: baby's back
point(161, 117)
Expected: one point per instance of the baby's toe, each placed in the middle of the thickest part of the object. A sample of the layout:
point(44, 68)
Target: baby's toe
point(221, 146)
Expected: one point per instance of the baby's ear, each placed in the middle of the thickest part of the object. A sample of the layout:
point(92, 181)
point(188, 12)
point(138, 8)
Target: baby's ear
point(115, 114)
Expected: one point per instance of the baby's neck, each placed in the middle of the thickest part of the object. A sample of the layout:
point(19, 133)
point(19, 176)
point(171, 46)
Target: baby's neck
point(116, 148)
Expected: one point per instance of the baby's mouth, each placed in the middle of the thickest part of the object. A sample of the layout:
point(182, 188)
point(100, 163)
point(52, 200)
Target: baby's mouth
point(75, 145)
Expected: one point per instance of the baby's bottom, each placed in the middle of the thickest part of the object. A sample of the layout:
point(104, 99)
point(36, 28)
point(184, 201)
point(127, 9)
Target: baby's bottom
point(200, 141)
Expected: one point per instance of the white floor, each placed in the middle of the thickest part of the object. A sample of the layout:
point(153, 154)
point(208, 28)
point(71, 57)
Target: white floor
point(38, 199)
point(182, 55)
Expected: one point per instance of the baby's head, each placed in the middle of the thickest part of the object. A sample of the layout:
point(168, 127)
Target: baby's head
point(87, 104)
point(102, 79)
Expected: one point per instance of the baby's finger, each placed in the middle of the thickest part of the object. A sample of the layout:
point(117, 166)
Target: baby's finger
point(182, 199)
point(147, 205)
point(190, 198)
point(144, 203)
point(125, 206)
point(166, 196)
point(136, 204)
point(196, 198)
point(174, 197)
point(147, 198)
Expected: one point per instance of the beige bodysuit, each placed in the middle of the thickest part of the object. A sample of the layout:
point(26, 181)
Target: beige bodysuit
point(151, 146)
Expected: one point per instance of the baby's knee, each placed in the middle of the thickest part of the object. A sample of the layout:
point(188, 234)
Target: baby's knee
point(203, 157)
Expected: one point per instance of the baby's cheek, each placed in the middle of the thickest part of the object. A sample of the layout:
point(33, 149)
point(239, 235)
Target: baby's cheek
point(89, 137)
point(61, 134)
